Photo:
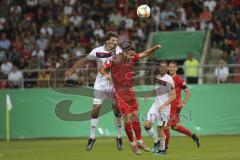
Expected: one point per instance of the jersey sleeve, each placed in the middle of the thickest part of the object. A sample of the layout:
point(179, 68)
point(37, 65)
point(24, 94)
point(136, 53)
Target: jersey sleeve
point(92, 55)
point(181, 83)
point(118, 50)
point(135, 58)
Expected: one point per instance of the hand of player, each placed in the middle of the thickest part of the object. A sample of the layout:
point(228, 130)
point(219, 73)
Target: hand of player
point(182, 105)
point(158, 46)
point(160, 108)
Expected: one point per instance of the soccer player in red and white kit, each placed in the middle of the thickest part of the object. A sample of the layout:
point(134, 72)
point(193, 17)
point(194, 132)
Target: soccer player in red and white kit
point(103, 88)
point(120, 70)
point(177, 105)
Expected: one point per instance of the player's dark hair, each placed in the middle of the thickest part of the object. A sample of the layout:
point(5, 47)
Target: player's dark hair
point(173, 62)
point(163, 62)
point(126, 45)
point(110, 35)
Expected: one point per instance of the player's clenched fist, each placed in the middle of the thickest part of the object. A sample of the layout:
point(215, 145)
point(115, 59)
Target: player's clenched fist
point(158, 46)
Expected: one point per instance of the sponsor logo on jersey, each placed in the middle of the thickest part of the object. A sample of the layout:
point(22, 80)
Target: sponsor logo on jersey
point(103, 54)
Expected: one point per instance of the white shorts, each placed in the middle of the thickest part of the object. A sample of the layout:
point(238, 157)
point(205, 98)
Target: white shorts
point(101, 95)
point(161, 118)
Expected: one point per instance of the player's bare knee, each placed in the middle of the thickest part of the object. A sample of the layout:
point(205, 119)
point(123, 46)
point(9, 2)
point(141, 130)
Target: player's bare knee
point(147, 125)
point(96, 111)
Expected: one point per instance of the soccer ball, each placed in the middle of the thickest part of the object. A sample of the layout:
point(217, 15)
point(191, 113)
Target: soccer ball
point(143, 11)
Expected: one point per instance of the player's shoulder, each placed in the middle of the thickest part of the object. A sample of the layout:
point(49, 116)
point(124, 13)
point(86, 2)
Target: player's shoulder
point(118, 49)
point(168, 78)
point(177, 78)
point(97, 49)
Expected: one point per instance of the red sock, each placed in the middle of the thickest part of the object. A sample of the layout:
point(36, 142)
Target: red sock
point(167, 134)
point(128, 130)
point(183, 130)
point(137, 129)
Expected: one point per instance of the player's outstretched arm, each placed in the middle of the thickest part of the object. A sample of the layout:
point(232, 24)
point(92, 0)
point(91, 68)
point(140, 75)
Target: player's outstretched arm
point(149, 52)
point(150, 94)
point(76, 65)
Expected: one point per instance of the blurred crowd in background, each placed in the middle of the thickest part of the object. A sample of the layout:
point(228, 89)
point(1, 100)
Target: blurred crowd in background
point(42, 34)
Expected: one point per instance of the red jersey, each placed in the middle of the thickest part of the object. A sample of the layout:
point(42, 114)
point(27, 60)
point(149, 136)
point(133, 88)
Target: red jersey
point(122, 72)
point(179, 84)
point(122, 76)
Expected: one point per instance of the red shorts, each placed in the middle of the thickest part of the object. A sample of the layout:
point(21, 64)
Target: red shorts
point(126, 101)
point(174, 117)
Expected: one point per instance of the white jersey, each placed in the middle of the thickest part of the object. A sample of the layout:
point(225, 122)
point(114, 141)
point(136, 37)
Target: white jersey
point(101, 55)
point(164, 85)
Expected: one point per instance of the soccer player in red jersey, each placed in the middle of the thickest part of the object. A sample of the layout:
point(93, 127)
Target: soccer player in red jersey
point(177, 105)
point(120, 70)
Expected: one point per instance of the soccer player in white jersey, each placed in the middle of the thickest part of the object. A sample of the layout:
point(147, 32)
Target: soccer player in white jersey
point(103, 88)
point(160, 109)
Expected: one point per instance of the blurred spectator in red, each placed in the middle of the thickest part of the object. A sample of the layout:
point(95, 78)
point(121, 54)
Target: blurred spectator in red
point(206, 18)
point(235, 4)
point(17, 43)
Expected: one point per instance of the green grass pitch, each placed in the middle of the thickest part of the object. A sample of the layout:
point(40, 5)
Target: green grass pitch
point(181, 148)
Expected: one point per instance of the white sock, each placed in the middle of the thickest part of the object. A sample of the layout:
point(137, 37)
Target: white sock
point(162, 143)
point(140, 141)
point(118, 124)
point(94, 123)
point(152, 134)
point(133, 143)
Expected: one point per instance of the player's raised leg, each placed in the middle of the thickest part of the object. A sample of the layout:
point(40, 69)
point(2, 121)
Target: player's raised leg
point(187, 132)
point(129, 132)
point(162, 148)
point(138, 131)
point(152, 134)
